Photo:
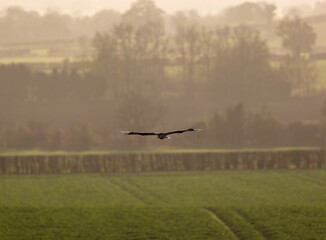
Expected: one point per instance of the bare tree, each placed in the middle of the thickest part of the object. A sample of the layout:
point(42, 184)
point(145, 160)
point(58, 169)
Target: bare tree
point(250, 13)
point(241, 62)
point(298, 37)
point(188, 52)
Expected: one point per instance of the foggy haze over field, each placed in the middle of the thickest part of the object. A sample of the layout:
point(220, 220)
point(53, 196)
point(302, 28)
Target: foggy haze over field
point(162, 119)
point(74, 73)
point(169, 6)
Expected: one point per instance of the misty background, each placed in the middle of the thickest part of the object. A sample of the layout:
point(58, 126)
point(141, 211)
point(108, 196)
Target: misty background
point(251, 74)
point(168, 6)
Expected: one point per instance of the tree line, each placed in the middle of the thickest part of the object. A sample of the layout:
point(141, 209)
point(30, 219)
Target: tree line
point(236, 127)
point(20, 25)
point(147, 77)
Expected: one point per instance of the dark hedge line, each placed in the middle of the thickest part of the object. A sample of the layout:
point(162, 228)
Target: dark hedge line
point(151, 162)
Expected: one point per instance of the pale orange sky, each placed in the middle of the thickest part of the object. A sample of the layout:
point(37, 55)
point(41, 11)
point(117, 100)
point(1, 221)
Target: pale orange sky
point(89, 6)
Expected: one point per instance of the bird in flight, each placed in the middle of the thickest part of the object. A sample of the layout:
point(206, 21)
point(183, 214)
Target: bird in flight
point(160, 135)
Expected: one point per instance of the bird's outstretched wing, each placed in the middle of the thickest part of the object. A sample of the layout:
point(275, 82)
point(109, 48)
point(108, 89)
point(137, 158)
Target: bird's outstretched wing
point(182, 131)
point(139, 133)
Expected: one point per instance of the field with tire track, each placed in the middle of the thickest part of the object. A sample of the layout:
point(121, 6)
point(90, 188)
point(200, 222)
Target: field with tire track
point(198, 205)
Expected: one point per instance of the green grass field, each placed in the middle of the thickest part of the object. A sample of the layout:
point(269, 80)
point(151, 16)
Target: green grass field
point(214, 205)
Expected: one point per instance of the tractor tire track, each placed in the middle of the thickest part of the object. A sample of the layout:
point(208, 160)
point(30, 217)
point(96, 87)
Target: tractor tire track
point(216, 218)
point(132, 192)
point(157, 198)
point(265, 233)
point(311, 180)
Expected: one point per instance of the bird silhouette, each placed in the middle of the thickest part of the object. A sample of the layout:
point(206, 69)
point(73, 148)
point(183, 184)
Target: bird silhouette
point(160, 135)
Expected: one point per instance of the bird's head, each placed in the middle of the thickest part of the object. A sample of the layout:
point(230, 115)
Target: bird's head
point(126, 132)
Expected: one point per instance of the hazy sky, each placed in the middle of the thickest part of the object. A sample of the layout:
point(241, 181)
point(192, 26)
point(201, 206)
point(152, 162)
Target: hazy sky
point(89, 6)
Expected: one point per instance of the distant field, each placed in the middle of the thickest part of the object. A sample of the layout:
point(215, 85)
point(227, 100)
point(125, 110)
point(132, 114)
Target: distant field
point(221, 205)
point(43, 59)
point(321, 73)
point(30, 60)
